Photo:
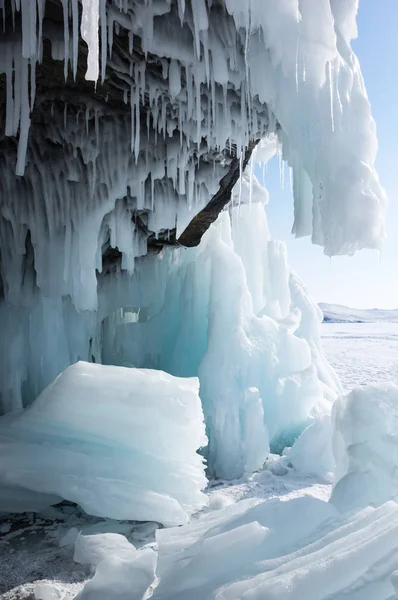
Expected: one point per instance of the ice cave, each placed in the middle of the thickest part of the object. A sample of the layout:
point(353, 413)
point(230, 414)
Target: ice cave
point(154, 342)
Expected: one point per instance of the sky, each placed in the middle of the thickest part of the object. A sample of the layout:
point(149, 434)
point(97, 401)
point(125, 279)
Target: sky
point(370, 278)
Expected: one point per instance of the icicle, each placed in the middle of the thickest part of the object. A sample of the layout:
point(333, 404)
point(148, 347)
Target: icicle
point(181, 10)
point(89, 32)
point(75, 36)
point(29, 19)
point(200, 22)
point(25, 118)
point(132, 107)
point(65, 7)
point(175, 78)
point(87, 118)
point(110, 34)
point(198, 113)
point(32, 83)
point(96, 125)
point(104, 40)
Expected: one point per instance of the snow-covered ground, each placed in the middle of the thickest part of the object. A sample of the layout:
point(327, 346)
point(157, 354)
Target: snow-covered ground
point(337, 313)
point(30, 550)
point(362, 353)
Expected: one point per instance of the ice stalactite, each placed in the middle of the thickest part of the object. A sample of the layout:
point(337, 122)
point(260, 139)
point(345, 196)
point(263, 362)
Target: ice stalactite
point(121, 122)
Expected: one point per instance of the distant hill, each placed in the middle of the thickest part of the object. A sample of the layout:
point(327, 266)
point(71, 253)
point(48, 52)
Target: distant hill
point(335, 313)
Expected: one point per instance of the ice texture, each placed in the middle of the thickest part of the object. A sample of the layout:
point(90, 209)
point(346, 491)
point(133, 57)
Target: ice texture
point(282, 550)
point(119, 442)
point(365, 443)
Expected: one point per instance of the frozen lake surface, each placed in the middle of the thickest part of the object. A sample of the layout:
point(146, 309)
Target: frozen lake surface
point(362, 353)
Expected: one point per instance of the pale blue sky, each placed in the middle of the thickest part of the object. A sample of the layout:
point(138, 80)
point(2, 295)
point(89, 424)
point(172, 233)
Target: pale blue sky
point(366, 280)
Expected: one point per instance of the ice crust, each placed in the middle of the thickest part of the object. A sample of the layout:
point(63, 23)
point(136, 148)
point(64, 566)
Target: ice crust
point(119, 442)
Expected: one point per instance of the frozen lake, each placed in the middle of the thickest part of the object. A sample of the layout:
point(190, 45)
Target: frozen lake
point(362, 353)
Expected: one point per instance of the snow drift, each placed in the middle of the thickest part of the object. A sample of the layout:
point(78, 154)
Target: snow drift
point(119, 442)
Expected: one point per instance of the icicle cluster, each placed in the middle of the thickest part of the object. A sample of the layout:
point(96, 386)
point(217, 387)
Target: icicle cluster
point(180, 89)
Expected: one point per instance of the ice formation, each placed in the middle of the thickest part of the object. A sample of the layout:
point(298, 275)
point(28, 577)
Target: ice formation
point(119, 442)
point(365, 443)
point(282, 550)
point(181, 90)
point(230, 311)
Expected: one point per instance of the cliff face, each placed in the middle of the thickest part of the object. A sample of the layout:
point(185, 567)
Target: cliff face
point(124, 125)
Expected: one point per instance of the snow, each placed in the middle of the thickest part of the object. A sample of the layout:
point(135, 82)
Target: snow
point(335, 313)
point(362, 353)
point(120, 442)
